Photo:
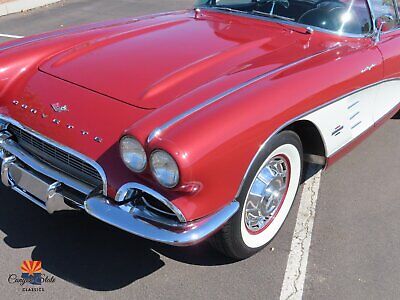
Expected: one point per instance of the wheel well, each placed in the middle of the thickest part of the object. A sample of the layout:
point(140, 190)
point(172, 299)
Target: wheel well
point(313, 144)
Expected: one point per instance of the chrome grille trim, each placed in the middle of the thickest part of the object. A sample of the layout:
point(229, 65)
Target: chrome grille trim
point(18, 153)
point(29, 141)
point(63, 148)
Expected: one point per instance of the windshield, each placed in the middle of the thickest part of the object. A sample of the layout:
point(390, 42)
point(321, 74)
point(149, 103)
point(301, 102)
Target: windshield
point(341, 16)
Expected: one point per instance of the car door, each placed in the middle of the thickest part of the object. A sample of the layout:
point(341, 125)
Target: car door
point(388, 96)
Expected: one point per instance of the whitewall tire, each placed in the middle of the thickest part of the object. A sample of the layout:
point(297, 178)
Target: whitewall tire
point(266, 198)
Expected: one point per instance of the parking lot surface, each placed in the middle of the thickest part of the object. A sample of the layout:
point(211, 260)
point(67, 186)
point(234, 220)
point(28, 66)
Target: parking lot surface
point(354, 252)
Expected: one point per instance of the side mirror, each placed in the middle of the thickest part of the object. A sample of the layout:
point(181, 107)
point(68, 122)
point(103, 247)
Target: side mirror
point(383, 24)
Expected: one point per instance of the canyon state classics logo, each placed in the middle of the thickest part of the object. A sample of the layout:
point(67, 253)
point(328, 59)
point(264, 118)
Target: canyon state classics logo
point(32, 271)
point(32, 279)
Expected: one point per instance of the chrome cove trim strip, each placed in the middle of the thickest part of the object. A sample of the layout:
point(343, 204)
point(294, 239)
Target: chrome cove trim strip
point(58, 145)
point(291, 121)
point(123, 192)
point(186, 235)
point(159, 130)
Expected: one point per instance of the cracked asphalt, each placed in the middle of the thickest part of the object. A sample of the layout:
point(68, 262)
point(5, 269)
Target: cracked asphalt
point(355, 242)
point(293, 284)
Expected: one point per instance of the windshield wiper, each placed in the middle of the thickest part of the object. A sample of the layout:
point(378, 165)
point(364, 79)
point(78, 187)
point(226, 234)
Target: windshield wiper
point(230, 9)
point(253, 12)
point(261, 13)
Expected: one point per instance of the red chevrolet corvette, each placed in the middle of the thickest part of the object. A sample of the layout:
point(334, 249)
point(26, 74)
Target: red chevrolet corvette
point(186, 125)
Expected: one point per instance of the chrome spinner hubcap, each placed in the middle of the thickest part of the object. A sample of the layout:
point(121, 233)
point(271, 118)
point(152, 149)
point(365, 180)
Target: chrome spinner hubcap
point(267, 194)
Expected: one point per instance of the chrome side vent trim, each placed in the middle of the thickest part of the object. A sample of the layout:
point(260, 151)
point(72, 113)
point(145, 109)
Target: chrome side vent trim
point(355, 116)
point(355, 125)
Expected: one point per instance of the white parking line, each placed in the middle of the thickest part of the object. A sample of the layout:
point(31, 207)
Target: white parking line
point(11, 36)
point(295, 275)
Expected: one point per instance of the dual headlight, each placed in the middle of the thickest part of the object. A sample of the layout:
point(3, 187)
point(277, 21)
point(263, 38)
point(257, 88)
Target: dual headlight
point(162, 165)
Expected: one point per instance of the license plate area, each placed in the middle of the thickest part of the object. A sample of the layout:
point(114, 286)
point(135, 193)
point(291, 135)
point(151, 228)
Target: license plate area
point(41, 190)
point(26, 181)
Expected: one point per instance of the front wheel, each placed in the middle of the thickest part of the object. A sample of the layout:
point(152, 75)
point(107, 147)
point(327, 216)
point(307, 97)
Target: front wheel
point(267, 195)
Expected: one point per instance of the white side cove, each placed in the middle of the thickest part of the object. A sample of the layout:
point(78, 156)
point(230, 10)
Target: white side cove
point(344, 120)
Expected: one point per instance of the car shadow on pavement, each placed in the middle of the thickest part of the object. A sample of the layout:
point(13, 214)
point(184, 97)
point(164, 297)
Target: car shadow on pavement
point(86, 252)
point(396, 116)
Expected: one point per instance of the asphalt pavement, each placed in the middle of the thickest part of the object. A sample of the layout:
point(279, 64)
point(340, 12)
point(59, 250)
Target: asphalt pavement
point(355, 244)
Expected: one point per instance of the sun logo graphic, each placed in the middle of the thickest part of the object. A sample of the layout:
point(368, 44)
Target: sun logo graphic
point(32, 271)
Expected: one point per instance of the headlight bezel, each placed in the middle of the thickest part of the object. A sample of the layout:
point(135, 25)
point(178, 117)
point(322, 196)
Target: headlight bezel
point(158, 178)
point(123, 153)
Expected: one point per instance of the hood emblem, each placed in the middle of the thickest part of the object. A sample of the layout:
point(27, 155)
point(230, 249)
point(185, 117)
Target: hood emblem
point(57, 107)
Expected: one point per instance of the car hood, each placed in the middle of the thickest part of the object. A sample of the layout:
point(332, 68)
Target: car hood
point(151, 63)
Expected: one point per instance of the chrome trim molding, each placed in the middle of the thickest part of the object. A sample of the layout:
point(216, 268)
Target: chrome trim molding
point(58, 145)
point(157, 131)
point(292, 23)
point(291, 121)
point(123, 192)
point(185, 235)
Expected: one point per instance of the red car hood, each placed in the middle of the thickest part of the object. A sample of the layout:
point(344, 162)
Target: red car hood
point(152, 64)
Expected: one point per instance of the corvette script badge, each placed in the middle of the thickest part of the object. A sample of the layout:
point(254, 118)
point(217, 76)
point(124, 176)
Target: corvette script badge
point(57, 107)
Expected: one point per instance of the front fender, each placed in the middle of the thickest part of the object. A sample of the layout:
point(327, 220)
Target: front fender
point(215, 146)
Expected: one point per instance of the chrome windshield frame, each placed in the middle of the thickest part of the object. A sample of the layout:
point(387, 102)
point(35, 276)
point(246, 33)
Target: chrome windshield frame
point(370, 34)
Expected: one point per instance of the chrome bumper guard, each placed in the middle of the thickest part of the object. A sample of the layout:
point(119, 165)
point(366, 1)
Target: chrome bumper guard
point(46, 187)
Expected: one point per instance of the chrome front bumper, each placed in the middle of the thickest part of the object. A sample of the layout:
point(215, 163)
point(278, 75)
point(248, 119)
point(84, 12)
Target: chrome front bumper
point(51, 190)
point(184, 234)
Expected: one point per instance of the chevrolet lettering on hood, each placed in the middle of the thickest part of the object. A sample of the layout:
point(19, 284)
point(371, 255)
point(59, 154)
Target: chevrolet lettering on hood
point(193, 125)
